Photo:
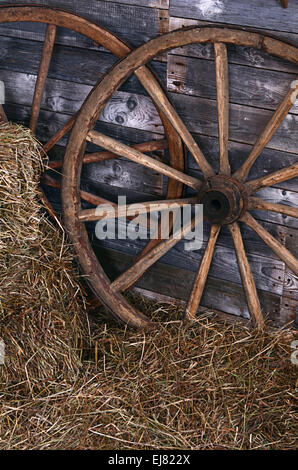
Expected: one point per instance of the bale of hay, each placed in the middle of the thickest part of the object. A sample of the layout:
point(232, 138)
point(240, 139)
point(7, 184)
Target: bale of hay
point(43, 319)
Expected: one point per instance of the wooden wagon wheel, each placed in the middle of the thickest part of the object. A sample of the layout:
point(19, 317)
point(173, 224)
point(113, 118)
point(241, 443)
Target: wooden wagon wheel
point(55, 18)
point(231, 195)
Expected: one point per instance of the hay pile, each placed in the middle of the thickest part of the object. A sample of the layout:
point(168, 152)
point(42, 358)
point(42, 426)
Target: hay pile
point(41, 306)
point(208, 384)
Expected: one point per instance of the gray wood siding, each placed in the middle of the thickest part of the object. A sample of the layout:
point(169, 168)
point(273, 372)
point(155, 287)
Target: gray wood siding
point(255, 13)
point(258, 83)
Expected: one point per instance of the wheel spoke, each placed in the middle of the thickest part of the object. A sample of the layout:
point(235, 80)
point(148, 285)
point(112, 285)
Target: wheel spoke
point(267, 133)
point(61, 133)
point(91, 198)
point(248, 282)
point(157, 94)
point(280, 251)
point(175, 188)
point(222, 89)
point(42, 74)
point(153, 242)
point(201, 277)
point(95, 157)
point(88, 197)
point(129, 277)
point(255, 203)
point(273, 178)
point(132, 154)
point(132, 209)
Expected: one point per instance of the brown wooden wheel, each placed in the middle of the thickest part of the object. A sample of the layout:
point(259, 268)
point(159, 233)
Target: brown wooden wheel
point(226, 197)
point(55, 18)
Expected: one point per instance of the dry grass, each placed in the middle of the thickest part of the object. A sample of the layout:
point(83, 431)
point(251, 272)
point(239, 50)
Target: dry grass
point(208, 384)
point(41, 305)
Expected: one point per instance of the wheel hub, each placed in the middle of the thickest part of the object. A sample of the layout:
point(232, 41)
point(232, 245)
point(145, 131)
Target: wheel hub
point(223, 198)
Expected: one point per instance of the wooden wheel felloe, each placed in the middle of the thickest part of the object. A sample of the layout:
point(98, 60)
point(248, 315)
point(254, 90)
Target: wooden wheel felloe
point(55, 18)
point(227, 197)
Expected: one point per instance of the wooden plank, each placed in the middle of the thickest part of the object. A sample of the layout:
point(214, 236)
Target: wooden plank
point(267, 14)
point(48, 126)
point(68, 64)
point(114, 118)
point(127, 109)
point(267, 272)
point(270, 160)
point(290, 290)
point(246, 123)
point(173, 282)
point(124, 174)
point(272, 178)
point(102, 190)
point(148, 259)
point(200, 116)
point(50, 122)
point(35, 32)
point(166, 299)
point(247, 85)
point(163, 4)
point(275, 121)
point(278, 196)
point(120, 174)
point(132, 23)
point(288, 311)
point(252, 242)
point(283, 253)
point(255, 203)
point(237, 54)
point(131, 110)
point(95, 157)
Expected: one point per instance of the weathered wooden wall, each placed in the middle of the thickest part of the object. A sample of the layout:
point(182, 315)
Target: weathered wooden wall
point(257, 84)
